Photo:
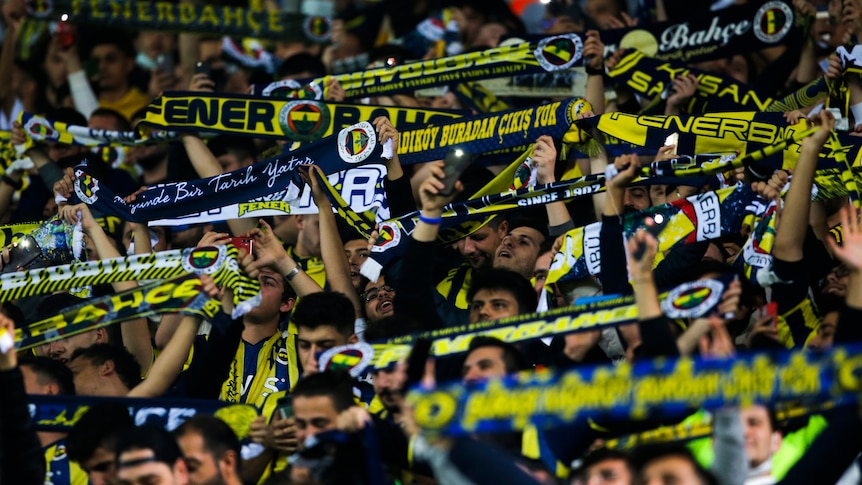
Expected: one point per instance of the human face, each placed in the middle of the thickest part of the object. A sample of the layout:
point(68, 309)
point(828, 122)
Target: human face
point(87, 377)
point(760, 439)
point(519, 250)
point(312, 342)
point(669, 470)
point(388, 381)
point(612, 471)
point(836, 281)
point(309, 235)
point(55, 66)
point(357, 252)
point(63, 349)
point(825, 333)
point(203, 469)
point(148, 472)
point(540, 272)
point(492, 305)
point(483, 363)
point(469, 21)
point(378, 305)
point(59, 151)
point(271, 305)
point(114, 67)
point(636, 199)
point(32, 386)
point(479, 248)
point(313, 414)
point(101, 467)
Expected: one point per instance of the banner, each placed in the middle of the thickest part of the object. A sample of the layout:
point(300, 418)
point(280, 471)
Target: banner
point(183, 294)
point(689, 300)
point(259, 117)
point(738, 29)
point(648, 388)
point(353, 146)
point(187, 17)
point(60, 413)
point(215, 261)
point(653, 79)
point(551, 54)
point(487, 133)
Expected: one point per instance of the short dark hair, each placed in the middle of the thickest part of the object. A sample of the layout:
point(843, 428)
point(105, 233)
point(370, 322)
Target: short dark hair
point(649, 453)
point(217, 436)
point(122, 123)
point(240, 146)
point(162, 443)
point(53, 371)
point(512, 357)
point(97, 428)
point(117, 38)
point(125, 365)
point(389, 327)
point(336, 385)
point(325, 308)
point(600, 455)
point(301, 62)
point(503, 279)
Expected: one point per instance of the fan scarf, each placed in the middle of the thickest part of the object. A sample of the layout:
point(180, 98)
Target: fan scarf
point(689, 300)
point(40, 129)
point(59, 413)
point(263, 117)
point(217, 261)
point(274, 179)
point(183, 294)
point(734, 30)
point(551, 54)
point(184, 17)
point(492, 132)
point(547, 399)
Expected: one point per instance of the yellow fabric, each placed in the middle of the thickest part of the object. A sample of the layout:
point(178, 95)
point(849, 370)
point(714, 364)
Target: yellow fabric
point(804, 311)
point(278, 350)
point(59, 469)
point(132, 102)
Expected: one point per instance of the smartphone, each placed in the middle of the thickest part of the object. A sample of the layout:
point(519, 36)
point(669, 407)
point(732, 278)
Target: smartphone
point(165, 63)
point(673, 139)
point(242, 243)
point(454, 163)
point(769, 310)
point(21, 254)
point(284, 407)
point(203, 68)
point(65, 32)
point(653, 228)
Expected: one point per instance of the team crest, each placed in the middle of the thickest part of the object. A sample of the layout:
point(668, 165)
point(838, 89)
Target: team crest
point(524, 176)
point(692, 299)
point(575, 108)
point(86, 187)
point(40, 8)
point(304, 120)
point(559, 52)
point(772, 21)
point(59, 453)
point(281, 356)
point(390, 235)
point(317, 28)
point(205, 260)
point(290, 89)
point(357, 142)
point(353, 358)
point(41, 129)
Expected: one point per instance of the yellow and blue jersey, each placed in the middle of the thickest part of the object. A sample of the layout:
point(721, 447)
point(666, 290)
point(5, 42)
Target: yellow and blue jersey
point(59, 469)
point(259, 370)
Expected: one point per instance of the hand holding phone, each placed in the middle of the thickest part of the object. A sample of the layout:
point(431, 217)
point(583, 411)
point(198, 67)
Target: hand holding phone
point(203, 68)
point(454, 164)
point(243, 243)
point(284, 407)
point(654, 226)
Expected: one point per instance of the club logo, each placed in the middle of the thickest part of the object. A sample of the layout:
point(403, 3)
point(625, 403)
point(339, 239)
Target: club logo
point(41, 129)
point(772, 21)
point(304, 120)
point(353, 358)
point(390, 235)
point(523, 175)
point(86, 187)
point(559, 52)
point(206, 260)
point(692, 299)
point(281, 356)
point(40, 8)
point(356, 142)
point(575, 108)
point(317, 28)
point(290, 89)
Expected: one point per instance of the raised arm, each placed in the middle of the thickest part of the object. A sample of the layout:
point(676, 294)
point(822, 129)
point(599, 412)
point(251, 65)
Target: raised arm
point(136, 333)
point(594, 56)
point(270, 252)
point(170, 362)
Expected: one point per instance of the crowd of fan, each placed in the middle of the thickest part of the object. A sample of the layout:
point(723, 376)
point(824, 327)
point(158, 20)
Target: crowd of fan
point(314, 298)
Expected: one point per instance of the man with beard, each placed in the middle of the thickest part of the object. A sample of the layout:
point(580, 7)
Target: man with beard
point(152, 159)
point(211, 451)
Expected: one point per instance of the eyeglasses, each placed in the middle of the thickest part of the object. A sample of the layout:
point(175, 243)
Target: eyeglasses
point(371, 293)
